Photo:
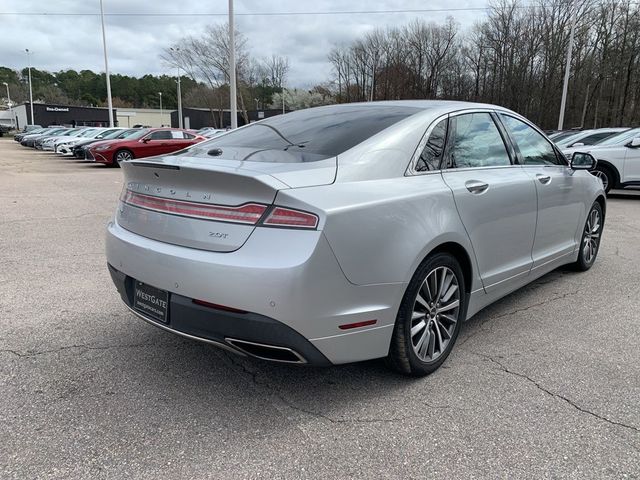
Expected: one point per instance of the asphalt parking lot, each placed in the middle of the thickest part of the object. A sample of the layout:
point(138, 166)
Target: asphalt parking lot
point(543, 384)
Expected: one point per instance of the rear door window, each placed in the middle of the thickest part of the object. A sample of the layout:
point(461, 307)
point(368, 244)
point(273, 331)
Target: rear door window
point(476, 142)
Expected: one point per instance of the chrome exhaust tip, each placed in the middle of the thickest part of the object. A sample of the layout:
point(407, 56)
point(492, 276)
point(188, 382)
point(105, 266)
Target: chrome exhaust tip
point(263, 351)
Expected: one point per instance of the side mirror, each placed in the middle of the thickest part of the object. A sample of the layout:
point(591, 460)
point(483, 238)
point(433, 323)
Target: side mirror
point(583, 161)
point(146, 140)
point(634, 143)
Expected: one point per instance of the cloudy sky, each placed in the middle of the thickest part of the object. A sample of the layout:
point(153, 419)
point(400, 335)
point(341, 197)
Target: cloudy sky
point(137, 30)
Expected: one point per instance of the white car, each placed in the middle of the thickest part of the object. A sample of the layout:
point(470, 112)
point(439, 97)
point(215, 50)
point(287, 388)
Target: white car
point(63, 145)
point(588, 137)
point(618, 159)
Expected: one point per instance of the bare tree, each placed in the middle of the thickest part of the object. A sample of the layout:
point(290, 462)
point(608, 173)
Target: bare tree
point(514, 57)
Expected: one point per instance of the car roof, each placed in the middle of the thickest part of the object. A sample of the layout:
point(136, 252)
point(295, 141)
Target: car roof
point(425, 104)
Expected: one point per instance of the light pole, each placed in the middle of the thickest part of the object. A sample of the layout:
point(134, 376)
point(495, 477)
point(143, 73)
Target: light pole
point(106, 67)
point(160, 94)
point(13, 125)
point(177, 50)
point(283, 100)
point(567, 69)
point(232, 69)
point(33, 122)
point(257, 103)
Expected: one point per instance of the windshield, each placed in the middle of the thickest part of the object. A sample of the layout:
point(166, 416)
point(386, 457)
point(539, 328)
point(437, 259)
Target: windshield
point(307, 135)
point(573, 138)
point(556, 137)
point(108, 133)
point(76, 132)
point(137, 133)
point(88, 132)
point(620, 138)
point(127, 133)
point(57, 131)
point(566, 140)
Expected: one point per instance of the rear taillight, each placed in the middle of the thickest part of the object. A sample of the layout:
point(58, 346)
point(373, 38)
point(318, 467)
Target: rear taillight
point(288, 217)
point(248, 213)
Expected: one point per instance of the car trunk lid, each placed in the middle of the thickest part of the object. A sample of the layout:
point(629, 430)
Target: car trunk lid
point(209, 204)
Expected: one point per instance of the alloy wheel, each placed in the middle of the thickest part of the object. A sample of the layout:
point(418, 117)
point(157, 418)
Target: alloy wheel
point(591, 236)
point(603, 178)
point(435, 314)
point(123, 156)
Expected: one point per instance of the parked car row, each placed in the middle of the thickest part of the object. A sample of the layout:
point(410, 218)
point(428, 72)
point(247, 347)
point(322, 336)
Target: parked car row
point(617, 151)
point(108, 145)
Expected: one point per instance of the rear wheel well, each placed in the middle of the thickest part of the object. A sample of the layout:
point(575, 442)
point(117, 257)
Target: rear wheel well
point(614, 171)
point(461, 255)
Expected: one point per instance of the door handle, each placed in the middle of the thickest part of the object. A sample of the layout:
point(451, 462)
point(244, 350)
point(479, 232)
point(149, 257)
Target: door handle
point(476, 186)
point(543, 178)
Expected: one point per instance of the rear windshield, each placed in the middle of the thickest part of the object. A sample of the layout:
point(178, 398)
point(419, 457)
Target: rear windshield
point(307, 135)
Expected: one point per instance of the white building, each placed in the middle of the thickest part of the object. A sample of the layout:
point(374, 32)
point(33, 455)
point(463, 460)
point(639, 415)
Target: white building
point(147, 117)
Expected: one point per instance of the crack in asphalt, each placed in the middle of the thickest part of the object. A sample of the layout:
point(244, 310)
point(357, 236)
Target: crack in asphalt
point(36, 353)
point(253, 374)
point(517, 310)
point(570, 402)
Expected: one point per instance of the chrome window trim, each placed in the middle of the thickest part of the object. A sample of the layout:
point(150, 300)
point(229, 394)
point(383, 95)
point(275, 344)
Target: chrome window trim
point(411, 170)
point(475, 169)
point(561, 157)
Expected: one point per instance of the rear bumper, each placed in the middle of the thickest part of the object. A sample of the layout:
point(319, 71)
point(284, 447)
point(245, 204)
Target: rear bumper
point(283, 277)
point(223, 329)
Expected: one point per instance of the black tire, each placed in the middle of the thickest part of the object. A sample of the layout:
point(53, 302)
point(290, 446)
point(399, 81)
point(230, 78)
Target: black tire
point(402, 355)
point(587, 257)
point(119, 153)
point(605, 173)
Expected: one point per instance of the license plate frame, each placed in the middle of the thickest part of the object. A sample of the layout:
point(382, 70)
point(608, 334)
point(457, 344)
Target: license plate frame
point(150, 301)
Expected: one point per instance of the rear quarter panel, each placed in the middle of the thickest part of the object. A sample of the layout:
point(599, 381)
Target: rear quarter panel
point(381, 230)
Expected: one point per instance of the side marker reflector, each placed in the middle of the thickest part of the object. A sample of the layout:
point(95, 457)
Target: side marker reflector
point(364, 323)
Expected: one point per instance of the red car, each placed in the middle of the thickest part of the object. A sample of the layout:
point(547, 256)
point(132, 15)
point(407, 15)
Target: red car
point(145, 143)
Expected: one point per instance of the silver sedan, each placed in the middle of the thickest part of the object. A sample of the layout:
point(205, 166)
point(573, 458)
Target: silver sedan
point(350, 232)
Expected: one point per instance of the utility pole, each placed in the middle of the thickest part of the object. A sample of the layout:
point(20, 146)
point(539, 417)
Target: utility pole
point(179, 101)
point(30, 89)
point(567, 69)
point(13, 120)
point(160, 94)
point(232, 69)
point(106, 67)
point(283, 100)
point(179, 92)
